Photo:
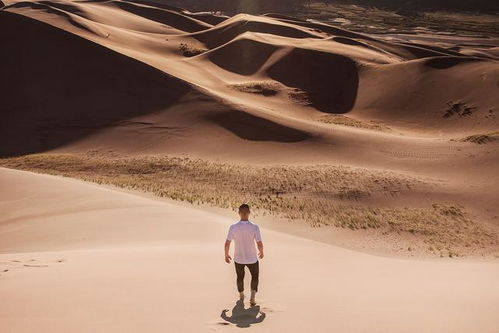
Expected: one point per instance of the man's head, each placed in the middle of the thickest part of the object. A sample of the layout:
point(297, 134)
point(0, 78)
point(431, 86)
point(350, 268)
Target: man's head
point(244, 212)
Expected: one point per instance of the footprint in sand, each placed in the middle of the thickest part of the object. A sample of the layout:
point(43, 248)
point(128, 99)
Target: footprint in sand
point(33, 264)
point(12, 265)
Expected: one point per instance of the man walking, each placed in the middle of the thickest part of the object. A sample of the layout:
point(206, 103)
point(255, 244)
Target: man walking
point(245, 234)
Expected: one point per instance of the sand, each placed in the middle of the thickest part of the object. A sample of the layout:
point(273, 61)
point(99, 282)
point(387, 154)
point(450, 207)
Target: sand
point(82, 258)
point(113, 78)
point(116, 78)
point(112, 75)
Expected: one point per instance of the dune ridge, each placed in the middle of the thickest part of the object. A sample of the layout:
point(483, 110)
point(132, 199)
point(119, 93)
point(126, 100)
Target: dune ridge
point(135, 78)
point(334, 68)
point(370, 162)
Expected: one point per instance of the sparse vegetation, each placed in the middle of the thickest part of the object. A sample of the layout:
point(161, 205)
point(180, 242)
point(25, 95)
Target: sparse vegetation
point(320, 195)
point(459, 109)
point(347, 121)
point(481, 138)
point(261, 88)
point(299, 96)
point(190, 51)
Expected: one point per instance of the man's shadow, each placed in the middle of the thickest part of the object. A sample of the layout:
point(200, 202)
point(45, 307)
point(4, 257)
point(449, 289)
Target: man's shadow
point(242, 317)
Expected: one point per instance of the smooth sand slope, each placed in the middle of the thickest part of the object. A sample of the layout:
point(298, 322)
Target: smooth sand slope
point(77, 257)
point(121, 78)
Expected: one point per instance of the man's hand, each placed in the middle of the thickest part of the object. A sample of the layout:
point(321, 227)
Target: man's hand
point(260, 249)
point(226, 250)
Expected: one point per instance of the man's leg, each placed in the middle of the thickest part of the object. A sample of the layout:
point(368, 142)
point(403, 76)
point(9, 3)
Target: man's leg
point(240, 276)
point(255, 271)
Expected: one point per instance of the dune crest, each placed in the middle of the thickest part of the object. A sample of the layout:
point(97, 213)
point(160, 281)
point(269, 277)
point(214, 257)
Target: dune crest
point(126, 78)
point(354, 143)
point(321, 69)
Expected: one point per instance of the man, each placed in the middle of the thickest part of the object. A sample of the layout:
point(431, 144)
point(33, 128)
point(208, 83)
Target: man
point(245, 234)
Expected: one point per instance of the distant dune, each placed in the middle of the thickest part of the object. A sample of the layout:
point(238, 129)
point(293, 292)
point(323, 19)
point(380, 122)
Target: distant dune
point(100, 64)
point(363, 147)
point(119, 78)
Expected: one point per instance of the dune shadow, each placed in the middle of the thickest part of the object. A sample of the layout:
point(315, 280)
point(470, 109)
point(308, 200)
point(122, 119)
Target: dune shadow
point(58, 87)
point(329, 82)
point(242, 317)
point(253, 128)
point(448, 62)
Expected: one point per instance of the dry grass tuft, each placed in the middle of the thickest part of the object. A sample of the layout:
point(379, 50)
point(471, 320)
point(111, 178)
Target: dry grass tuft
point(347, 121)
point(481, 138)
point(320, 195)
point(261, 88)
point(190, 51)
point(299, 96)
point(458, 109)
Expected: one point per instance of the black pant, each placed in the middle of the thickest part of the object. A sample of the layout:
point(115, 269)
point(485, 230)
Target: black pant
point(254, 270)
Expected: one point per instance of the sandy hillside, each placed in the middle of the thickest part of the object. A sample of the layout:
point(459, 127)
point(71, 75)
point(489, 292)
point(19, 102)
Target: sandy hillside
point(139, 78)
point(117, 78)
point(75, 257)
point(391, 137)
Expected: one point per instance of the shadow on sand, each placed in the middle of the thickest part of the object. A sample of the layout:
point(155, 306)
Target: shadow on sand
point(242, 317)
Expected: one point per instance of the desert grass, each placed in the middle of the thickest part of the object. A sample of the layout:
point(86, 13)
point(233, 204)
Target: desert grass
point(348, 121)
point(261, 88)
point(272, 88)
point(458, 109)
point(321, 195)
point(299, 96)
point(480, 138)
point(190, 51)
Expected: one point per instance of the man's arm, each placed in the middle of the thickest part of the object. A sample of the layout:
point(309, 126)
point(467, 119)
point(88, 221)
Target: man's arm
point(260, 249)
point(230, 237)
point(227, 247)
point(259, 243)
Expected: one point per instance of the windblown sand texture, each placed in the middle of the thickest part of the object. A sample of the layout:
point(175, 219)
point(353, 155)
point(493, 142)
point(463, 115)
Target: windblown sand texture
point(381, 144)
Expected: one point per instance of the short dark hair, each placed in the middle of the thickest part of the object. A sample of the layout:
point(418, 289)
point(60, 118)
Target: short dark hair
point(244, 206)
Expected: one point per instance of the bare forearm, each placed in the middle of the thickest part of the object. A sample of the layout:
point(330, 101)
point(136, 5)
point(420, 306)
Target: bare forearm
point(227, 248)
point(260, 249)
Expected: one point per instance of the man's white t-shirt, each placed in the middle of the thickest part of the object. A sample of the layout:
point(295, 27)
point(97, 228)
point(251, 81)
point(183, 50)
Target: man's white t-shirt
point(244, 234)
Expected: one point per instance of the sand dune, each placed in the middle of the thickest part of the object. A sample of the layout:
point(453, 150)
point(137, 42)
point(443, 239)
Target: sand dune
point(399, 124)
point(168, 17)
point(77, 257)
point(239, 24)
point(67, 102)
point(330, 70)
point(137, 78)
